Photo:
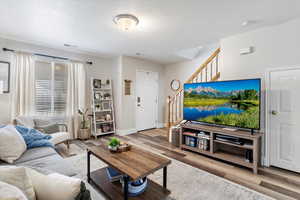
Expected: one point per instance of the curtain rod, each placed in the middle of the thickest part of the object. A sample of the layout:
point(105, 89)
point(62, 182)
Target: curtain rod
point(48, 56)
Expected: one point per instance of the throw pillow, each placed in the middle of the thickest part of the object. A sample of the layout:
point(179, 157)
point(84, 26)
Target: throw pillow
point(54, 186)
point(10, 192)
point(18, 177)
point(12, 144)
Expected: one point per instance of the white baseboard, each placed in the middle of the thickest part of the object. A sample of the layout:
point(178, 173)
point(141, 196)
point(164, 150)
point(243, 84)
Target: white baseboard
point(125, 131)
point(264, 161)
point(161, 125)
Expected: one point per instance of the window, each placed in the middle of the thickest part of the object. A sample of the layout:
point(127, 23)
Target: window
point(50, 88)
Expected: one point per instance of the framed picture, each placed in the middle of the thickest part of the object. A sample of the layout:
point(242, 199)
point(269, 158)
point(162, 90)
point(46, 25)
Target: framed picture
point(97, 83)
point(4, 76)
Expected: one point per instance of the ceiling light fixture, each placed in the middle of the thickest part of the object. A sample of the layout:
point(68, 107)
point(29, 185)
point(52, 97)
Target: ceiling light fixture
point(248, 22)
point(126, 22)
point(70, 45)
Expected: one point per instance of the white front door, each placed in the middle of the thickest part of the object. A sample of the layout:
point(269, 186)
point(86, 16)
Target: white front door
point(284, 112)
point(146, 99)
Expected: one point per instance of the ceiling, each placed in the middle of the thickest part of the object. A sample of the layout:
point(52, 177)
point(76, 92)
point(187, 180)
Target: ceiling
point(166, 26)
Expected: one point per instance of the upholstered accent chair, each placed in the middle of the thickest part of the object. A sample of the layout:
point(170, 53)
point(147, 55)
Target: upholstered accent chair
point(57, 129)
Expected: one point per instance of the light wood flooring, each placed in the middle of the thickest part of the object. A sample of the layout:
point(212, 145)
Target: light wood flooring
point(277, 183)
point(274, 182)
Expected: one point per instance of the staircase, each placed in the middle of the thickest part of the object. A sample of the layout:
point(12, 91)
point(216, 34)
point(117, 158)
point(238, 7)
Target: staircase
point(208, 71)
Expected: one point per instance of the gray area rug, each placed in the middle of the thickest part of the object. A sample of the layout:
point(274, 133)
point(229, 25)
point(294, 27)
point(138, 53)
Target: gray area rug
point(184, 181)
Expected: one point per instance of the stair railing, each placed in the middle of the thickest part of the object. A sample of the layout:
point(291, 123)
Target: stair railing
point(208, 71)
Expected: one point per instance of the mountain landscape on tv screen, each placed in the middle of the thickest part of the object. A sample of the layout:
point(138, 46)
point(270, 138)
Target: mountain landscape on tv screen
point(231, 103)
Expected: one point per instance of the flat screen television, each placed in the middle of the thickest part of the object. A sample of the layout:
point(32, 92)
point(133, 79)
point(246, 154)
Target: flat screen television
point(233, 103)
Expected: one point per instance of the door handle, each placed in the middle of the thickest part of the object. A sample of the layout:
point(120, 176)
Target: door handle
point(274, 112)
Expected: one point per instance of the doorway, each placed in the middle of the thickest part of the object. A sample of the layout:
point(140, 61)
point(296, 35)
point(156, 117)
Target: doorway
point(283, 116)
point(146, 100)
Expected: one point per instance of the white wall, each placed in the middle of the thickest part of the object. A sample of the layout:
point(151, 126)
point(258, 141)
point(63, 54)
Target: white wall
point(274, 47)
point(118, 69)
point(100, 66)
point(117, 91)
point(183, 70)
point(128, 103)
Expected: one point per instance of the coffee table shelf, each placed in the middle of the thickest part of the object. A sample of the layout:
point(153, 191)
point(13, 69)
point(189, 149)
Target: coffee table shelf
point(133, 164)
point(113, 190)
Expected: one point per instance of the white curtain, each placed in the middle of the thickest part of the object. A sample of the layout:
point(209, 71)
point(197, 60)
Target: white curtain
point(23, 85)
point(76, 95)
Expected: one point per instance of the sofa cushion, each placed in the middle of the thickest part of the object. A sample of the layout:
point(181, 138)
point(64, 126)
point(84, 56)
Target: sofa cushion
point(54, 186)
point(59, 137)
point(12, 144)
point(52, 163)
point(36, 153)
point(17, 176)
point(10, 192)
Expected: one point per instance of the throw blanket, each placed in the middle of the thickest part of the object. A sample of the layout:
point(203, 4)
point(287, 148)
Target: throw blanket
point(34, 138)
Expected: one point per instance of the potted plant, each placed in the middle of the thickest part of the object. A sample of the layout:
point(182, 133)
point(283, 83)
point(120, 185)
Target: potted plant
point(113, 144)
point(84, 125)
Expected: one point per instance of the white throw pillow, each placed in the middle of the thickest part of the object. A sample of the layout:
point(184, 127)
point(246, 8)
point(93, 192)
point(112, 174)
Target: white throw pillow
point(54, 186)
point(12, 144)
point(18, 177)
point(10, 192)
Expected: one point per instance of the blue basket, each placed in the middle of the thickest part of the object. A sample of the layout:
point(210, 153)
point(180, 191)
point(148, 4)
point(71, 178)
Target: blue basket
point(136, 188)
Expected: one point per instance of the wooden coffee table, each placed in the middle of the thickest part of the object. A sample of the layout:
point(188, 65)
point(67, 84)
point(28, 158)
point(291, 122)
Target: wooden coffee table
point(134, 164)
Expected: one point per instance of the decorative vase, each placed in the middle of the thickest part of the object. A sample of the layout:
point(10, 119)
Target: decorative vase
point(113, 148)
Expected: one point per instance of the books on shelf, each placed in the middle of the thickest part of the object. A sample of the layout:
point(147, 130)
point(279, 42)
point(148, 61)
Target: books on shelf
point(190, 141)
point(190, 134)
point(113, 175)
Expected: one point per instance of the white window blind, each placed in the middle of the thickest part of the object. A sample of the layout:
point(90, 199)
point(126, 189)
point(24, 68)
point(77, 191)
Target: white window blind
point(51, 88)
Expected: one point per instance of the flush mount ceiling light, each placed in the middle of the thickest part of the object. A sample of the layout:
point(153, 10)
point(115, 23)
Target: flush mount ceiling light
point(126, 22)
point(249, 22)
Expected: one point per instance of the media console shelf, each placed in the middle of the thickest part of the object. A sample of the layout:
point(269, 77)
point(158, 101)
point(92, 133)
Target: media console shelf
point(244, 151)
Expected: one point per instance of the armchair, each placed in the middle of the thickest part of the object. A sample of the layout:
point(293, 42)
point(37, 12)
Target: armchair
point(58, 130)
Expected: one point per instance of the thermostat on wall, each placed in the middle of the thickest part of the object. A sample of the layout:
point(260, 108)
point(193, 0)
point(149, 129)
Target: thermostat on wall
point(245, 51)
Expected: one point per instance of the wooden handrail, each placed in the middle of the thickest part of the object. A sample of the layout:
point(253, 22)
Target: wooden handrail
point(175, 103)
point(199, 70)
point(203, 65)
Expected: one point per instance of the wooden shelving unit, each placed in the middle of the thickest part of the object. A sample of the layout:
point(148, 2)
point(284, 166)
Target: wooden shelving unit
point(224, 150)
point(103, 116)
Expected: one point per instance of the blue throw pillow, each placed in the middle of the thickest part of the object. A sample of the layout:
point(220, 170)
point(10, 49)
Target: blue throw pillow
point(34, 138)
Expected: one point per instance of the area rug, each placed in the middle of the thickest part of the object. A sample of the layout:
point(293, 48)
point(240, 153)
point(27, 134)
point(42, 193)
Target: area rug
point(184, 182)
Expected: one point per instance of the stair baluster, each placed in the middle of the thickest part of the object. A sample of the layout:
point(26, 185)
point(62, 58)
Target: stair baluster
point(175, 103)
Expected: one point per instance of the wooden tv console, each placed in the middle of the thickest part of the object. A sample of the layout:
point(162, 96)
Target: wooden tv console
point(223, 150)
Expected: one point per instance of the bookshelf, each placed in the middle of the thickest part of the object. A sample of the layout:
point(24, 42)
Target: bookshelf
point(222, 149)
point(103, 116)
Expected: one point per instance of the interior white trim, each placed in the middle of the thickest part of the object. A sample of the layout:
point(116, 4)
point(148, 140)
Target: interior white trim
point(160, 125)
point(126, 131)
point(267, 113)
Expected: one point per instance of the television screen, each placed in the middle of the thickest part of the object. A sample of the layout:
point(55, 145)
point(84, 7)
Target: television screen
point(229, 103)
